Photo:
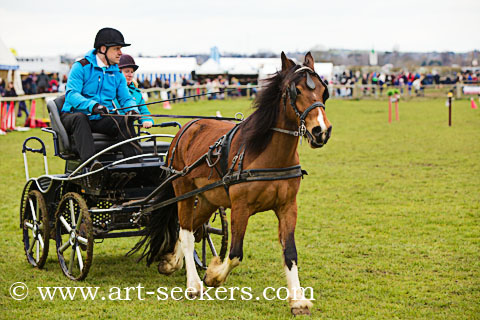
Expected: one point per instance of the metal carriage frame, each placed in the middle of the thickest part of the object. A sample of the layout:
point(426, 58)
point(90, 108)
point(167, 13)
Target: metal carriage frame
point(78, 208)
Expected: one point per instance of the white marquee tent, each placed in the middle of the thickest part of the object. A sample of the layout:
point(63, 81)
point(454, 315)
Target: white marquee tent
point(263, 67)
point(172, 69)
point(51, 64)
point(238, 66)
point(9, 68)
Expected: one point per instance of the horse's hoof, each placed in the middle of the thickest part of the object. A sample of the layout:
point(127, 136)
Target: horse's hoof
point(211, 282)
point(193, 294)
point(164, 267)
point(195, 290)
point(300, 311)
point(212, 276)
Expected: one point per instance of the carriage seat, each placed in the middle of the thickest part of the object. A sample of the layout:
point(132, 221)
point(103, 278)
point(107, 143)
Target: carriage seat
point(66, 143)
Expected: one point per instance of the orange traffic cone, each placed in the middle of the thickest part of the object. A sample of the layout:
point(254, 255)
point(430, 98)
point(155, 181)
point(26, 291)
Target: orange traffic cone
point(30, 122)
point(473, 104)
point(3, 124)
point(11, 117)
point(166, 105)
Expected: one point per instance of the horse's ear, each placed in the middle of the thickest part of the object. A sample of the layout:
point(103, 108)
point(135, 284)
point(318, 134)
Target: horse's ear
point(286, 63)
point(309, 62)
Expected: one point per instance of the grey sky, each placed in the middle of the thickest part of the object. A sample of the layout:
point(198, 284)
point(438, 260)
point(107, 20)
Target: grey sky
point(170, 27)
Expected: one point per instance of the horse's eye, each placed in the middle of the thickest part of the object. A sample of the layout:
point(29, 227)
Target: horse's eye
point(298, 91)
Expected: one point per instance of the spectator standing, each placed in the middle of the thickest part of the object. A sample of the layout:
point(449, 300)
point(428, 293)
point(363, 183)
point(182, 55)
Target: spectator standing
point(42, 82)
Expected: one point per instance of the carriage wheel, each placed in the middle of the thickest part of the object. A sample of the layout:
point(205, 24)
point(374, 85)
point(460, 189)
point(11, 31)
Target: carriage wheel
point(205, 240)
point(74, 236)
point(36, 228)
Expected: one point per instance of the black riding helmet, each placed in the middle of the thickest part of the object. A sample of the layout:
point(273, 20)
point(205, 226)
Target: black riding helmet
point(109, 37)
point(127, 61)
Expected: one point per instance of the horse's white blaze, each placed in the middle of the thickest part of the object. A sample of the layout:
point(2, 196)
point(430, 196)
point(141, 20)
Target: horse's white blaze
point(187, 242)
point(321, 120)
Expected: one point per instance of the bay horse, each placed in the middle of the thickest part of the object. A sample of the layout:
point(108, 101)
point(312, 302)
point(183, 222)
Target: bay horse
point(290, 105)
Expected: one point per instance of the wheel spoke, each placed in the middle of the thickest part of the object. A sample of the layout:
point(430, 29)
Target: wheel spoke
point(64, 246)
point(212, 247)
point(79, 256)
point(72, 260)
point(65, 224)
point(82, 240)
point(33, 209)
point(37, 215)
point(72, 213)
point(32, 244)
point(204, 252)
point(38, 252)
point(79, 218)
point(40, 239)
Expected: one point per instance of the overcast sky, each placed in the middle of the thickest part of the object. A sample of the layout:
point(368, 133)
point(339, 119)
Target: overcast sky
point(159, 27)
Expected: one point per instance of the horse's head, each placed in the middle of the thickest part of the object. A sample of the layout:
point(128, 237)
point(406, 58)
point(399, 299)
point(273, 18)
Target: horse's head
point(304, 97)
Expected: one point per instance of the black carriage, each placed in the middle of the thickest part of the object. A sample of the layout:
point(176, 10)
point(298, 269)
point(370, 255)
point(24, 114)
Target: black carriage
point(78, 207)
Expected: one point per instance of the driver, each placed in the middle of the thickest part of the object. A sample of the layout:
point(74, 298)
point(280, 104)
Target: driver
point(94, 82)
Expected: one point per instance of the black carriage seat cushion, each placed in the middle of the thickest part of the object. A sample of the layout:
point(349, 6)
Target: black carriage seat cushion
point(54, 107)
point(66, 142)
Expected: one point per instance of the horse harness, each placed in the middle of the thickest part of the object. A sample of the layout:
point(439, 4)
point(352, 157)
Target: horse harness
point(217, 158)
point(219, 151)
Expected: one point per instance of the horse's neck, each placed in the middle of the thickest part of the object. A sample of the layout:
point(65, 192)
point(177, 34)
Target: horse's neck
point(282, 149)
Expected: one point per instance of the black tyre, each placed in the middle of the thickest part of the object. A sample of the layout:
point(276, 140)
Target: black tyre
point(74, 236)
point(36, 228)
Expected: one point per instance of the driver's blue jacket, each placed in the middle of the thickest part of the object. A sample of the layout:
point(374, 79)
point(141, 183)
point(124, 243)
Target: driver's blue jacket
point(89, 84)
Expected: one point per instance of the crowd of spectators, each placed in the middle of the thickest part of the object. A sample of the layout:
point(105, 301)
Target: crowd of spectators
point(412, 81)
point(215, 87)
point(34, 83)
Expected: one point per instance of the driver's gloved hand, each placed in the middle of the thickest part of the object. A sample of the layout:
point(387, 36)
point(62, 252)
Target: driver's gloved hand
point(99, 109)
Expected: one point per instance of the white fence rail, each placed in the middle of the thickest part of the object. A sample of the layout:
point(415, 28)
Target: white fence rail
point(356, 91)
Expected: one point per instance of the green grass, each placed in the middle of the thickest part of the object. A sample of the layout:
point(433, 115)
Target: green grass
point(389, 226)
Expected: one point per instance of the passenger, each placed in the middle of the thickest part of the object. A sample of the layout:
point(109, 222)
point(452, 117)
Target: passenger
point(128, 67)
point(94, 82)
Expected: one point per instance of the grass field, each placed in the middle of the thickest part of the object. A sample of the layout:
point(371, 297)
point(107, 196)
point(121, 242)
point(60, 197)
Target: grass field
point(389, 227)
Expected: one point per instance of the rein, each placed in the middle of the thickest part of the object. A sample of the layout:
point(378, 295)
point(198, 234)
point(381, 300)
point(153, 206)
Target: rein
point(238, 116)
point(174, 99)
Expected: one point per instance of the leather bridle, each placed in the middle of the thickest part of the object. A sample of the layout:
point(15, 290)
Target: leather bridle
point(291, 91)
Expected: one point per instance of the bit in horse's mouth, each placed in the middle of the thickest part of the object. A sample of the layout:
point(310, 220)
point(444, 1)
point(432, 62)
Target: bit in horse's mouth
point(315, 145)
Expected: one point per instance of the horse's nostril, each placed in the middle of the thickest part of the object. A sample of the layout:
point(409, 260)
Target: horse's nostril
point(316, 131)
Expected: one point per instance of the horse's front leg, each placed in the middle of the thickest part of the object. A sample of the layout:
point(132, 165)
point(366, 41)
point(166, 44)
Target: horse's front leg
point(187, 244)
point(218, 271)
point(287, 217)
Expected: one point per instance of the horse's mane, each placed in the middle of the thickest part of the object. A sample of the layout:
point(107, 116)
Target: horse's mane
point(256, 133)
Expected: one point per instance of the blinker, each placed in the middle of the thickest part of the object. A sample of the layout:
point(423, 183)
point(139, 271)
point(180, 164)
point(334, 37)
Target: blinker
point(310, 83)
point(293, 91)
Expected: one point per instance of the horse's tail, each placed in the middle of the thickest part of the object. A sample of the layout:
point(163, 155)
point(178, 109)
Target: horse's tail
point(162, 230)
